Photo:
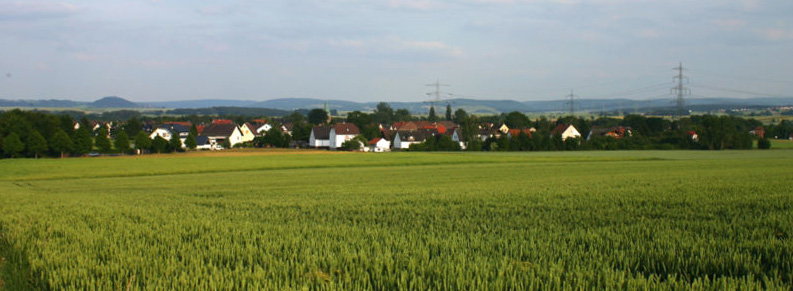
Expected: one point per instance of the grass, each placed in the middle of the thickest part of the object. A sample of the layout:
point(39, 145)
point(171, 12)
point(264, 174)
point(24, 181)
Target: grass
point(318, 220)
point(781, 144)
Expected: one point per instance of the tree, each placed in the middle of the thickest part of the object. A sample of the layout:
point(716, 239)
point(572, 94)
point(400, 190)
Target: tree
point(355, 143)
point(101, 140)
point(36, 144)
point(60, 142)
point(190, 142)
point(83, 143)
point(448, 112)
point(273, 138)
point(122, 142)
point(133, 126)
point(317, 116)
point(516, 119)
point(402, 115)
point(383, 113)
point(460, 116)
point(763, 144)
point(432, 117)
point(142, 141)
point(159, 144)
point(12, 145)
point(175, 143)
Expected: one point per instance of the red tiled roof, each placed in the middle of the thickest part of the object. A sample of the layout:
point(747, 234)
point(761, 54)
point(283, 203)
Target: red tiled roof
point(559, 129)
point(346, 128)
point(516, 132)
point(374, 141)
point(222, 121)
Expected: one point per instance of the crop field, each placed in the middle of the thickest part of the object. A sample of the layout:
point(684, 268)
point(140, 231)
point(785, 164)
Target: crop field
point(285, 220)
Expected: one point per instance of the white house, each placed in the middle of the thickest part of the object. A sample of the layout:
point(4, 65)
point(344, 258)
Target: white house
point(261, 129)
point(166, 131)
point(342, 132)
point(457, 137)
point(320, 137)
point(379, 145)
point(403, 139)
point(566, 131)
point(217, 133)
point(248, 132)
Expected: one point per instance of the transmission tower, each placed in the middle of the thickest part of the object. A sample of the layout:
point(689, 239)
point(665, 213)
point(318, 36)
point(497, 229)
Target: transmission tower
point(437, 93)
point(571, 102)
point(680, 91)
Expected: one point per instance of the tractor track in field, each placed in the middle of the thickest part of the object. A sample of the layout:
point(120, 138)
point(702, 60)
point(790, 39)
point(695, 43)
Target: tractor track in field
point(19, 182)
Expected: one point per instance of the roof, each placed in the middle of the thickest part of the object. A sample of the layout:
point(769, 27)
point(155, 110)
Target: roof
point(321, 132)
point(515, 132)
point(173, 127)
point(416, 135)
point(346, 128)
point(222, 121)
point(201, 140)
point(375, 140)
point(559, 129)
point(218, 129)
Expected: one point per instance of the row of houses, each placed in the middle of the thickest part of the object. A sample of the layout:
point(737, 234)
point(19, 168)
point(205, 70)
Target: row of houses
point(214, 135)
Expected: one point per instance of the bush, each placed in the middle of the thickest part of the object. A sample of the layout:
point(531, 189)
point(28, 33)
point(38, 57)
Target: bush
point(763, 144)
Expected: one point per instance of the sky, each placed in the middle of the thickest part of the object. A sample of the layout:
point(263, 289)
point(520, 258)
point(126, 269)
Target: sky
point(390, 50)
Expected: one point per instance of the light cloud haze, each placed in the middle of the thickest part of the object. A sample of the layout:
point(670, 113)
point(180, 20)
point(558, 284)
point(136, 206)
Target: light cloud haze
point(387, 50)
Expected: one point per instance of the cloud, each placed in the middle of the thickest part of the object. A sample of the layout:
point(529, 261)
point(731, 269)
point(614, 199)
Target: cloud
point(31, 11)
point(396, 46)
point(777, 34)
point(729, 23)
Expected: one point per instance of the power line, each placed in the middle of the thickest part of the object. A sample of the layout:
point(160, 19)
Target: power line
point(680, 90)
point(437, 92)
point(737, 91)
point(571, 101)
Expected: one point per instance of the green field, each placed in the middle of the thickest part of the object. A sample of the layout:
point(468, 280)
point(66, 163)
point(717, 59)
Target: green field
point(463, 221)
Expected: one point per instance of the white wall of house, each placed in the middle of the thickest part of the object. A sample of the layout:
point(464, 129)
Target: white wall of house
point(570, 132)
point(337, 139)
point(264, 128)
point(402, 145)
point(382, 145)
point(317, 143)
point(163, 133)
point(247, 133)
point(236, 137)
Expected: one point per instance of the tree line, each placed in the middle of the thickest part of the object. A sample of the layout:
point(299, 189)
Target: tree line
point(35, 134)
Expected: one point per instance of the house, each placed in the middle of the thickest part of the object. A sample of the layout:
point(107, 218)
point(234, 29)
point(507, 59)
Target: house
point(342, 132)
point(202, 143)
point(403, 139)
point(287, 128)
point(248, 132)
point(379, 145)
point(758, 131)
point(457, 136)
point(166, 131)
point(320, 137)
point(566, 131)
point(693, 135)
point(615, 132)
point(504, 129)
point(515, 132)
point(218, 133)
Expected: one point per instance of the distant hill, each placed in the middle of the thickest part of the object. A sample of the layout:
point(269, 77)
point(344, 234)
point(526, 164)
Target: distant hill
point(40, 103)
point(201, 103)
point(113, 102)
point(282, 105)
point(230, 110)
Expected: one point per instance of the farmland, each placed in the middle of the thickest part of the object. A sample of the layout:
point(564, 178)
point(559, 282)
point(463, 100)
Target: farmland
point(473, 221)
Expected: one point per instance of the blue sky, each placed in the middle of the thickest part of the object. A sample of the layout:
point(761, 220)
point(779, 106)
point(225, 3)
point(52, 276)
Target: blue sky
point(387, 50)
